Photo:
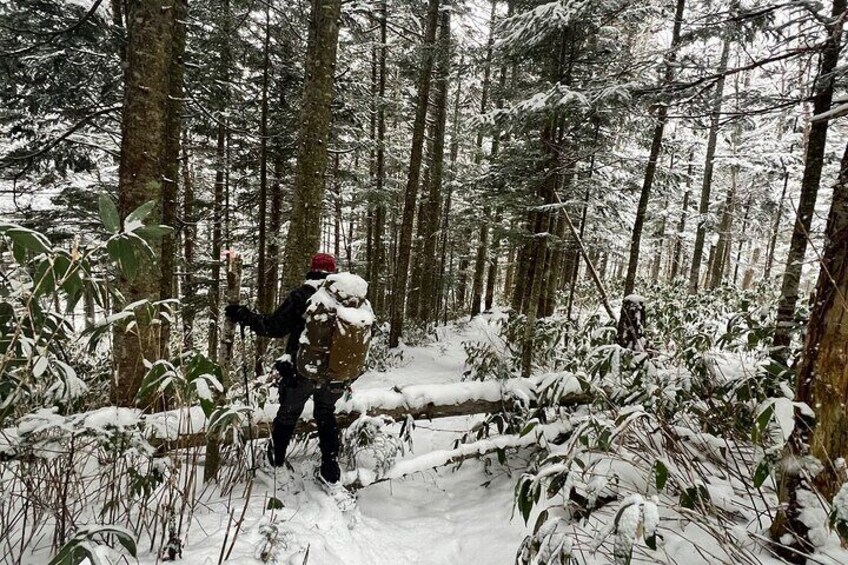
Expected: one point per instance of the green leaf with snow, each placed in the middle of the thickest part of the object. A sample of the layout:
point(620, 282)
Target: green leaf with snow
point(274, 504)
point(761, 473)
point(135, 219)
point(660, 475)
point(26, 239)
point(694, 497)
point(109, 214)
point(83, 545)
point(153, 232)
point(123, 253)
point(761, 423)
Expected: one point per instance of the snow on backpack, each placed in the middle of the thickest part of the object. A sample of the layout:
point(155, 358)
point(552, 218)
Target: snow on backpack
point(335, 341)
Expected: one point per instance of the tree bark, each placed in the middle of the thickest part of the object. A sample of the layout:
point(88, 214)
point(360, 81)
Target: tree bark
point(220, 208)
point(492, 276)
point(398, 309)
point(810, 181)
point(723, 244)
point(142, 161)
point(712, 140)
point(304, 235)
point(218, 211)
point(171, 167)
point(776, 226)
point(823, 373)
point(225, 358)
point(264, 288)
point(428, 306)
point(189, 234)
point(483, 238)
point(822, 383)
point(468, 399)
point(440, 291)
point(377, 279)
point(676, 266)
point(656, 146)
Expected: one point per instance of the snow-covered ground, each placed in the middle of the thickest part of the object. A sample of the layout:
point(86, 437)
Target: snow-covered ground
point(436, 517)
point(466, 515)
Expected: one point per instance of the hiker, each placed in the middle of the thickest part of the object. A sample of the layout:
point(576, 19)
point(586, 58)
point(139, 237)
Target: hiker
point(296, 388)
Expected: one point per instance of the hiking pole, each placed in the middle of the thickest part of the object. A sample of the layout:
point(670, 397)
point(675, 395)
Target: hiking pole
point(247, 401)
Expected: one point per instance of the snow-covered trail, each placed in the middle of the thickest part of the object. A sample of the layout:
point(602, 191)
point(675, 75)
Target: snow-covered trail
point(431, 518)
point(437, 518)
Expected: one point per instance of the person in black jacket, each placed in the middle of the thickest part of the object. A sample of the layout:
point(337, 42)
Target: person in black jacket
point(296, 389)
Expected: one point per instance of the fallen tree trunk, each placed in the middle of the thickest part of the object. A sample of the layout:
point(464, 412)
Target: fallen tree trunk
point(345, 419)
point(187, 427)
point(421, 402)
point(444, 457)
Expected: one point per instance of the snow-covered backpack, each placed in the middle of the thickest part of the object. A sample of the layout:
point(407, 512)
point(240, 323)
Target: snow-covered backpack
point(334, 344)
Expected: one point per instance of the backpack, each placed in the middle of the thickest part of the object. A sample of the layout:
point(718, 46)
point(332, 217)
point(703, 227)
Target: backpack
point(334, 344)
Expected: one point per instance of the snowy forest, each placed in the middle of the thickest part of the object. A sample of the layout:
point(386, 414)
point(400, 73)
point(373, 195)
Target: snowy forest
point(606, 252)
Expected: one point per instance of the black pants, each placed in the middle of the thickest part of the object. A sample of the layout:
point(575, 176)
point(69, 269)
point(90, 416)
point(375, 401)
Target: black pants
point(295, 390)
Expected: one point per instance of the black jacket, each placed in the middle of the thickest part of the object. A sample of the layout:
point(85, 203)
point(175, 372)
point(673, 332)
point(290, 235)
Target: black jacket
point(287, 319)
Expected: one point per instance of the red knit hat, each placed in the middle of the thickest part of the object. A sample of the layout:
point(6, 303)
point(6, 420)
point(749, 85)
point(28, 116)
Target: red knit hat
point(323, 262)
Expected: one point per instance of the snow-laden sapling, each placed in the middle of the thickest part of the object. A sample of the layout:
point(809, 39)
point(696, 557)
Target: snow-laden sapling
point(549, 545)
point(370, 447)
point(88, 544)
point(273, 543)
point(637, 517)
point(381, 357)
point(839, 513)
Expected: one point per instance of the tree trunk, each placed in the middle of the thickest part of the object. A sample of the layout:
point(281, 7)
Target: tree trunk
point(171, 166)
point(377, 278)
point(492, 278)
point(218, 211)
point(535, 288)
point(440, 291)
point(225, 358)
point(712, 140)
point(413, 177)
point(748, 277)
point(656, 146)
point(776, 226)
point(416, 268)
point(656, 263)
point(220, 204)
point(510, 271)
point(189, 236)
point(428, 306)
point(483, 239)
point(723, 244)
point(823, 373)
point(264, 286)
point(480, 262)
point(275, 225)
point(144, 125)
point(822, 382)
point(809, 184)
point(676, 266)
point(304, 235)
point(742, 240)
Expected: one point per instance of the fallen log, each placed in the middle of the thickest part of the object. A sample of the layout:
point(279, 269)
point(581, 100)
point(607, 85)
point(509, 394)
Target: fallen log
point(421, 402)
point(46, 432)
point(358, 479)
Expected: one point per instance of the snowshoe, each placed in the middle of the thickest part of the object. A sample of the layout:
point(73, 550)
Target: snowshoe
point(283, 479)
point(344, 499)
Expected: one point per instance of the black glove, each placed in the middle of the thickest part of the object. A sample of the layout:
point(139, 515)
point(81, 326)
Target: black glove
point(237, 313)
point(286, 371)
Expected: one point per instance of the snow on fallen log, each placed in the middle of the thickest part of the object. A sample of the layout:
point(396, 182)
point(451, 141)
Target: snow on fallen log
point(187, 427)
point(362, 478)
point(418, 401)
